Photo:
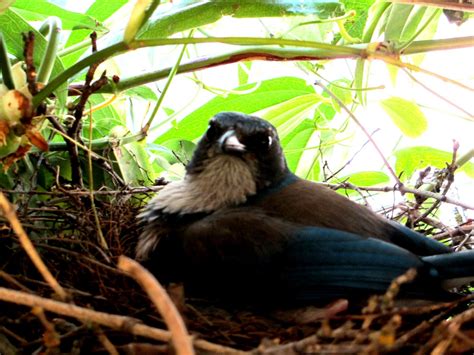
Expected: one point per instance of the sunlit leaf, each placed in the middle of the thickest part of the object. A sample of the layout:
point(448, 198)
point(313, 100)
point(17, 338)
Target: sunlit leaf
point(340, 88)
point(243, 72)
point(100, 10)
point(309, 164)
point(355, 27)
point(364, 178)
point(132, 159)
point(39, 10)
point(397, 18)
point(266, 94)
point(288, 115)
point(143, 92)
point(406, 115)
point(413, 158)
point(103, 120)
point(190, 14)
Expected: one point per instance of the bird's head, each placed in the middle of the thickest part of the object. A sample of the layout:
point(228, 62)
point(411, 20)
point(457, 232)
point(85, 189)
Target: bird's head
point(237, 156)
point(249, 141)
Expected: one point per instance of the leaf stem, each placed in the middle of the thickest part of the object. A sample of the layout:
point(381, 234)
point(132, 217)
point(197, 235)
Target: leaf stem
point(51, 26)
point(171, 75)
point(5, 65)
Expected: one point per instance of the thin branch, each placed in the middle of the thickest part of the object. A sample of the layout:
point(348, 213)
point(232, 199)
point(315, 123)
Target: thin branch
point(449, 175)
point(439, 96)
point(179, 334)
point(361, 126)
point(127, 191)
point(403, 189)
point(450, 5)
point(322, 50)
point(27, 245)
point(123, 323)
point(29, 40)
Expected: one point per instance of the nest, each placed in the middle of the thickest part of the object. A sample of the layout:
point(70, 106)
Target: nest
point(96, 300)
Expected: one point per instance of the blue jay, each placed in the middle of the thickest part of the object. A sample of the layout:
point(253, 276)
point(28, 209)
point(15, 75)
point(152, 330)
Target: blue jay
point(240, 226)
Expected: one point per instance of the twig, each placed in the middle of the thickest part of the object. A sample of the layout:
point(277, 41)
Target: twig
point(402, 189)
point(73, 132)
point(368, 135)
point(29, 40)
point(100, 236)
point(449, 175)
point(105, 341)
point(439, 96)
point(128, 324)
point(333, 174)
point(50, 336)
point(452, 5)
point(452, 232)
point(420, 328)
point(127, 191)
point(27, 245)
point(62, 251)
point(156, 292)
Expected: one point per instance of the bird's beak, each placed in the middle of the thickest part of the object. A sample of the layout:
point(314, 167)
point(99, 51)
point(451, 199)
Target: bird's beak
point(229, 143)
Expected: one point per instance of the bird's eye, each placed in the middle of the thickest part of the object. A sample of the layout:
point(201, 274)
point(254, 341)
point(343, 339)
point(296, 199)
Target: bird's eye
point(212, 132)
point(261, 141)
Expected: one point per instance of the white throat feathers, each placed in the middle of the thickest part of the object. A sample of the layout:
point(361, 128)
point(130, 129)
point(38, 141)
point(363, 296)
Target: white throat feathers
point(225, 181)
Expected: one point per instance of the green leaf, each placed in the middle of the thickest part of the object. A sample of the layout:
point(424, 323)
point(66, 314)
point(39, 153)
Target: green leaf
point(288, 115)
point(361, 7)
point(143, 92)
point(103, 120)
point(191, 14)
point(364, 178)
point(345, 95)
point(309, 165)
point(397, 18)
point(13, 25)
point(419, 157)
point(412, 23)
point(406, 115)
point(178, 151)
point(133, 160)
point(100, 10)
point(266, 94)
point(243, 72)
point(294, 143)
point(39, 10)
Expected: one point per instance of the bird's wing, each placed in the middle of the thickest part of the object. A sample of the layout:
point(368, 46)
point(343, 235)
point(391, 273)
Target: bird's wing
point(324, 263)
point(307, 203)
point(250, 253)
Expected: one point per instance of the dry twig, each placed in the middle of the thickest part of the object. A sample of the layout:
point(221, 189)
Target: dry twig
point(27, 245)
point(156, 292)
point(128, 324)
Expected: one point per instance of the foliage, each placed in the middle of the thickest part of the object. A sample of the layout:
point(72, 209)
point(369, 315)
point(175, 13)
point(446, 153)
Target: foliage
point(313, 125)
point(85, 132)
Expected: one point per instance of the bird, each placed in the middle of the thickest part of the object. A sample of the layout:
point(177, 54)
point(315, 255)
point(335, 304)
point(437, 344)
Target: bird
point(241, 227)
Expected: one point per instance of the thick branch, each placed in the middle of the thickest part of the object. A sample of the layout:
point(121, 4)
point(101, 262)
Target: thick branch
point(320, 50)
